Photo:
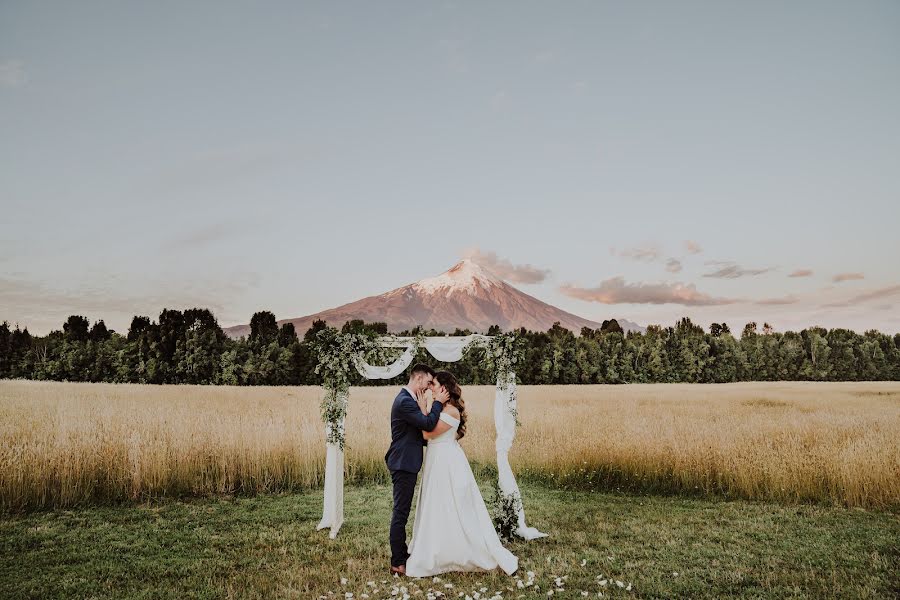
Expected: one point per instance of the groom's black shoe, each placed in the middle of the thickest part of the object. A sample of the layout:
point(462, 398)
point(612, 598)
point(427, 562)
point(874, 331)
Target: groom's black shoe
point(401, 570)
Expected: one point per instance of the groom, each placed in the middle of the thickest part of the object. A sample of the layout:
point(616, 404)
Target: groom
point(404, 457)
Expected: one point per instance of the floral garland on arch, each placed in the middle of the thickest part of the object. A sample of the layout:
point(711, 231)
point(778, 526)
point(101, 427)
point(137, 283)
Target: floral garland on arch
point(505, 512)
point(500, 354)
point(337, 353)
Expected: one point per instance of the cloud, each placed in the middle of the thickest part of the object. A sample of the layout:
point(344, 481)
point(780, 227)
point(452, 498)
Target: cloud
point(876, 294)
point(842, 304)
point(650, 252)
point(778, 301)
point(616, 291)
point(12, 73)
point(646, 253)
point(205, 235)
point(731, 270)
point(801, 273)
point(505, 269)
point(847, 277)
point(692, 247)
point(673, 265)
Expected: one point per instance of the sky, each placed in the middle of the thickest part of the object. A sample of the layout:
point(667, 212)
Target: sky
point(725, 161)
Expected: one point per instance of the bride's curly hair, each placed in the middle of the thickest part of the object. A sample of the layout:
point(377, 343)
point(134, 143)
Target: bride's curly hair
point(448, 380)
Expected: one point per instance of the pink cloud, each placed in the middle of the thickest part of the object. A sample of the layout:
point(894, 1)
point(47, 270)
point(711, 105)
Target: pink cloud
point(692, 247)
point(504, 269)
point(616, 291)
point(847, 277)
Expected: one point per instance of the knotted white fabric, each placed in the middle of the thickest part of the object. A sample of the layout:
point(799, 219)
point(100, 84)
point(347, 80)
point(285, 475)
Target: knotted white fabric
point(444, 349)
point(392, 370)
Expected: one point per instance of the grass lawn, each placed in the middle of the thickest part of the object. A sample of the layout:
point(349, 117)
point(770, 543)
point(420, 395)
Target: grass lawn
point(267, 547)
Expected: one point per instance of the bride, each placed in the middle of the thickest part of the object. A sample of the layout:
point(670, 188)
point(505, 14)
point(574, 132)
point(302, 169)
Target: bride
point(452, 530)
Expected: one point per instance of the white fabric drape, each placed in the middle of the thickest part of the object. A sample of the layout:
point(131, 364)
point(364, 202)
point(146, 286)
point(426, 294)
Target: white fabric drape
point(444, 349)
point(505, 423)
point(448, 349)
point(392, 370)
point(333, 508)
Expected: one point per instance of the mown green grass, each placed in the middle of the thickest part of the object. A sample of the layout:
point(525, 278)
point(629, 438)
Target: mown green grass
point(267, 547)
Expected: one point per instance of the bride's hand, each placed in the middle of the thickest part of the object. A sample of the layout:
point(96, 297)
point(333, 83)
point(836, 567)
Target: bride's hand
point(422, 401)
point(443, 395)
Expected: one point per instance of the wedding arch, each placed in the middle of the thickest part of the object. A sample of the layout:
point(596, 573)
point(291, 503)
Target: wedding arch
point(338, 353)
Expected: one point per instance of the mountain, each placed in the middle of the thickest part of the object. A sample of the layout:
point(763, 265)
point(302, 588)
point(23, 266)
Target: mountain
point(467, 296)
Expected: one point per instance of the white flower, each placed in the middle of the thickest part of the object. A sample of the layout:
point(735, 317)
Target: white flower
point(343, 581)
point(619, 583)
point(583, 562)
point(674, 573)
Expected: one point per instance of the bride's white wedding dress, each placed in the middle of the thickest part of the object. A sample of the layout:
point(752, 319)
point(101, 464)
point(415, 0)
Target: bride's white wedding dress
point(453, 530)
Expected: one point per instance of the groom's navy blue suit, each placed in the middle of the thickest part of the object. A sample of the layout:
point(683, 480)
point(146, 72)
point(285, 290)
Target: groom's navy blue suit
point(404, 460)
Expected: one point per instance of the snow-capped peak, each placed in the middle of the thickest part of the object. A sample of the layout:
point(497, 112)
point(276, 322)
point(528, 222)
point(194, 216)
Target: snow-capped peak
point(465, 275)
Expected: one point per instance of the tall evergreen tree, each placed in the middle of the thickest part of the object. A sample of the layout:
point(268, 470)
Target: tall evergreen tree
point(76, 328)
point(263, 328)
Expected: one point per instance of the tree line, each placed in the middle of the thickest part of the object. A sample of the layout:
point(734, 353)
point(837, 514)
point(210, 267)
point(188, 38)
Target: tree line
point(189, 347)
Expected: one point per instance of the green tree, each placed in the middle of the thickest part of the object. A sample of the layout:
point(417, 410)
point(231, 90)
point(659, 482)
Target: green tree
point(138, 326)
point(263, 328)
point(287, 335)
point(99, 332)
point(76, 328)
point(816, 360)
point(611, 326)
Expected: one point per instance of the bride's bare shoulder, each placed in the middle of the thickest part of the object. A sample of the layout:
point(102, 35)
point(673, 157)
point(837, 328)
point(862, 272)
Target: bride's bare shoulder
point(451, 410)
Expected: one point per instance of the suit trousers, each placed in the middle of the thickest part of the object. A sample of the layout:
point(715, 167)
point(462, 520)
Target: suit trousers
point(404, 486)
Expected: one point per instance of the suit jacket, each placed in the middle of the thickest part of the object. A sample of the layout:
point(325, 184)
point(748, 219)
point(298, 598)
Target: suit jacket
point(407, 424)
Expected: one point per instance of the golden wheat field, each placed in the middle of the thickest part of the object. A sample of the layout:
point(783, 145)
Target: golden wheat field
point(68, 444)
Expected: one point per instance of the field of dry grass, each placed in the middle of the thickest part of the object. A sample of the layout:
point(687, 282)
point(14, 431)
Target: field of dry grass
point(70, 444)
